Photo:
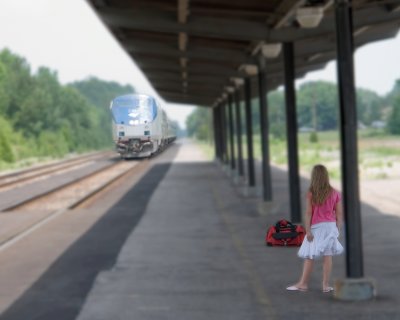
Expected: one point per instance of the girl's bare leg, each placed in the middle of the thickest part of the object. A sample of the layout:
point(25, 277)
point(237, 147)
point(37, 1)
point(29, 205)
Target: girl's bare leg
point(305, 277)
point(326, 271)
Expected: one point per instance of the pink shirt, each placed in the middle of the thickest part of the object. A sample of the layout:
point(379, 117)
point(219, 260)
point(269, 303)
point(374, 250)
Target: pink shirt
point(326, 211)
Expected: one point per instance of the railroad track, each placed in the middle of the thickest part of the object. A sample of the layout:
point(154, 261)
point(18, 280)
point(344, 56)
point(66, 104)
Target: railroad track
point(82, 192)
point(71, 194)
point(65, 197)
point(11, 180)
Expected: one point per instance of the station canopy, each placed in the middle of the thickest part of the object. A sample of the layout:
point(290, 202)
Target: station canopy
point(192, 50)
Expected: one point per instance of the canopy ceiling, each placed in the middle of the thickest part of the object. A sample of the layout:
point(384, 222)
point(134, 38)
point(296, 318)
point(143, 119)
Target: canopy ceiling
point(191, 49)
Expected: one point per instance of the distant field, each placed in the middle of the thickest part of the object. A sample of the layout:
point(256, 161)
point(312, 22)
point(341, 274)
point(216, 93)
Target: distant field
point(379, 154)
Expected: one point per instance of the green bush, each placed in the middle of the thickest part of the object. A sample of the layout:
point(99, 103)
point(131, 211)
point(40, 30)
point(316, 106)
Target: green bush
point(313, 137)
point(51, 143)
point(6, 152)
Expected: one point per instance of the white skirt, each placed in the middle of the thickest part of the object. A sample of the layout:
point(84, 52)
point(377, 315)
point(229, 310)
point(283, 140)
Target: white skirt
point(325, 242)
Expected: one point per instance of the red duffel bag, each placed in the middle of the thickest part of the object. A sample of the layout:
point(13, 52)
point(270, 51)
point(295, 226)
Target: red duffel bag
point(285, 233)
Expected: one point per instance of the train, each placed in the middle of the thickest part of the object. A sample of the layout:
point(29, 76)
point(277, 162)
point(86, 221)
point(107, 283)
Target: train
point(140, 126)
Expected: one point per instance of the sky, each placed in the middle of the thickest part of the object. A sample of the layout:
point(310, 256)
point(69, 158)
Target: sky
point(66, 36)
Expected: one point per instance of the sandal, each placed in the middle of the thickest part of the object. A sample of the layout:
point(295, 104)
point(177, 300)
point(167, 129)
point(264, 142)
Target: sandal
point(327, 289)
point(294, 288)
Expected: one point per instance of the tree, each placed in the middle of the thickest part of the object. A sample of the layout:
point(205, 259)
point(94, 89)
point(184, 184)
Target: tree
point(393, 125)
point(4, 96)
point(6, 152)
point(199, 124)
point(370, 106)
point(47, 118)
point(277, 116)
point(322, 96)
point(393, 100)
point(18, 81)
point(99, 93)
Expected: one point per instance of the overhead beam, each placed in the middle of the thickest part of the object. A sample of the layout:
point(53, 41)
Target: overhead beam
point(361, 17)
point(236, 29)
point(217, 82)
point(394, 7)
point(159, 58)
point(193, 76)
point(210, 74)
point(188, 92)
point(194, 52)
point(187, 98)
point(212, 70)
point(182, 96)
point(289, 8)
point(305, 52)
point(182, 41)
point(214, 10)
point(183, 11)
point(176, 86)
point(221, 28)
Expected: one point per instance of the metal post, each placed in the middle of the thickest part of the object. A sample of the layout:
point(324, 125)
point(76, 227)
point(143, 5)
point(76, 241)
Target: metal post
point(291, 130)
point(217, 132)
point(214, 119)
point(264, 131)
point(239, 132)
point(220, 133)
point(220, 142)
point(231, 131)
point(249, 133)
point(348, 130)
point(223, 131)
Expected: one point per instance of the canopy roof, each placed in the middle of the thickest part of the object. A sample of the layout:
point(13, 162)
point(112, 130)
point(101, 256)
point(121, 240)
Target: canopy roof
point(191, 49)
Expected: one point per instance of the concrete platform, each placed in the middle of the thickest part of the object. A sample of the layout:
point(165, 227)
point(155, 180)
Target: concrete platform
point(184, 243)
point(199, 253)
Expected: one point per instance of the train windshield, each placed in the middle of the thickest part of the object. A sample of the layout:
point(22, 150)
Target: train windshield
point(134, 109)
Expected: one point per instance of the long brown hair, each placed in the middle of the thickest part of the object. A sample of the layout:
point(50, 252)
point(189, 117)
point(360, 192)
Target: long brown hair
point(319, 187)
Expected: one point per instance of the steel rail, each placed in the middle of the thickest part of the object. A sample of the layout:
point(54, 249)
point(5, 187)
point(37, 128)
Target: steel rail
point(49, 169)
point(60, 187)
point(80, 202)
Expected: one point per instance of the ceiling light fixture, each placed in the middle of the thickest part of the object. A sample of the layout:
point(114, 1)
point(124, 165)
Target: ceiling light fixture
point(237, 81)
point(230, 89)
point(309, 17)
point(271, 50)
point(249, 69)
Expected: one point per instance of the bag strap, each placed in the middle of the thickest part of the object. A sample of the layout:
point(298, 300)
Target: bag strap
point(284, 224)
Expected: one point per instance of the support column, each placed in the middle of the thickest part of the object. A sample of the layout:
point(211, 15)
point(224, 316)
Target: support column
point(220, 138)
point(249, 133)
point(264, 131)
point(355, 288)
point(239, 132)
point(217, 132)
point(223, 133)
point(231, 132)
point(349, 149)
point(291, 131)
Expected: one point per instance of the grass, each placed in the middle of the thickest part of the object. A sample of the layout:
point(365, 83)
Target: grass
point(24, 163)
point(207, 148)
point(378, 153)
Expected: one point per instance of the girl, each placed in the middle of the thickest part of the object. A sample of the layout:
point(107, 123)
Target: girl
point(322, 222)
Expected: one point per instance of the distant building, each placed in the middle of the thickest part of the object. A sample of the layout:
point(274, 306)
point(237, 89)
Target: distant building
point(378, 124)
point(306, 129)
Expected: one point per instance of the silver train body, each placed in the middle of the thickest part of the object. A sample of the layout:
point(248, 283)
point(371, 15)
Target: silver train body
point(140, 126)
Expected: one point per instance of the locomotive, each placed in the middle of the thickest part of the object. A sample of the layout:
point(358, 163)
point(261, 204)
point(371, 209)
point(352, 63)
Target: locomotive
point(140, 126)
